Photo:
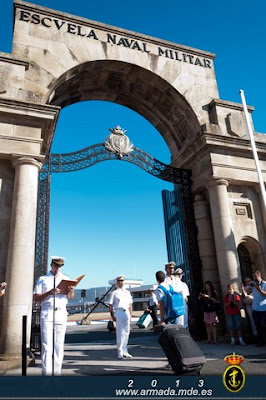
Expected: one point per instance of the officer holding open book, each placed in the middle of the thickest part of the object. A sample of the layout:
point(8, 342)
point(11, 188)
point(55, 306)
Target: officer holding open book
point(53, 291)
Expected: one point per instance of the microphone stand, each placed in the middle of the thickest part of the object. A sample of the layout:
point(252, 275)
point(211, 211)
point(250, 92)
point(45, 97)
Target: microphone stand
point(53, 327)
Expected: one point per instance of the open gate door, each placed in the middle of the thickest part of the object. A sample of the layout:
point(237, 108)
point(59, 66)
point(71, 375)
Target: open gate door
point(181, 240)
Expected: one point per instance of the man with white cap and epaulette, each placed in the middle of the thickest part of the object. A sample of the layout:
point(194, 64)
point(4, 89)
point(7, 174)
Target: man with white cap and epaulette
point(183, 320)
point(120, 306)
point(171, 279)
point(53, 316)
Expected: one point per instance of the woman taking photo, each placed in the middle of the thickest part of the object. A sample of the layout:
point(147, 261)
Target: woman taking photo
point(209, 299)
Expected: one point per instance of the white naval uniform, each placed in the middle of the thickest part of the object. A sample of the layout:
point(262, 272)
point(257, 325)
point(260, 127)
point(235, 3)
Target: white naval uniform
point(175, 283)
point(44, 284)
point(185, 294)
point(120, 300)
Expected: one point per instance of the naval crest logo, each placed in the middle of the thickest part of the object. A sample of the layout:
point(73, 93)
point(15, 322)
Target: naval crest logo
point(117, 142)
point(234, 377)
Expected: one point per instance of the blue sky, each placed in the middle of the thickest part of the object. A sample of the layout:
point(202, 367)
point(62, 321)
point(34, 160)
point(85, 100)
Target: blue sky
point(108, 219)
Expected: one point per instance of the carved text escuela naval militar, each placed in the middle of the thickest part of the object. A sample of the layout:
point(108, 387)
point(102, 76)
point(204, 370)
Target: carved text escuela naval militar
point(111, 38)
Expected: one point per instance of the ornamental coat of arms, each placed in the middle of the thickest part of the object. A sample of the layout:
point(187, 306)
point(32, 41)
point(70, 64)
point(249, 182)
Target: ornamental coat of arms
point(117, 142)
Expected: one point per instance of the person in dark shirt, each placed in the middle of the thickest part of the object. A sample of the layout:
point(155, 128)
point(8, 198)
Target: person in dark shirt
point(209, 299)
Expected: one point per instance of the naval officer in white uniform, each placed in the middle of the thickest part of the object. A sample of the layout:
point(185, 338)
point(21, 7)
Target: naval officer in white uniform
point(171, 279)
point(185, 292)
point(120, 306)
point(44, 292)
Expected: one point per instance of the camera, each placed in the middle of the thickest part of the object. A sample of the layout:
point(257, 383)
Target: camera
point(232, 305)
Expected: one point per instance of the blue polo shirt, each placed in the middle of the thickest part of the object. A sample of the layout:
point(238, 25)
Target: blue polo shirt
point(161, 296)
point(259, 301)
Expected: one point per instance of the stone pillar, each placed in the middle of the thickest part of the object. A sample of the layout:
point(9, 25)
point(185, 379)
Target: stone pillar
point(226, 251)
point(206, 241)
point(261, 200)
point(20, 259)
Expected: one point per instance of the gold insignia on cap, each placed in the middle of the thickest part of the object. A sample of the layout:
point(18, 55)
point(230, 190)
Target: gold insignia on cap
point(178, 271)
point(171, 264)
point(58, 260)
point(121, 278)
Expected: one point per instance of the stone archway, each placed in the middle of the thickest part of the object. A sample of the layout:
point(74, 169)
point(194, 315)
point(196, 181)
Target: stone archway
point(134, 87)
point(250, 255)
point(73, 59)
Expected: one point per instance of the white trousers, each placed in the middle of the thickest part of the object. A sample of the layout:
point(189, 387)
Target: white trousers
point(47, 340)
point(186, 316)
point(122, 331)
point(182, 320)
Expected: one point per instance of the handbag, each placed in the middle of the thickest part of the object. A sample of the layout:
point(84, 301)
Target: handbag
point(210, 306)
point(217, 307)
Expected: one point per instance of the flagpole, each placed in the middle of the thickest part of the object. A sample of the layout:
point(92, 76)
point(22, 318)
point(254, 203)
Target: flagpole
point(254, 150)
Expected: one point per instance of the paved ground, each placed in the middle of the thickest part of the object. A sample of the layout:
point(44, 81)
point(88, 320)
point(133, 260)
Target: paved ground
point(91, 350)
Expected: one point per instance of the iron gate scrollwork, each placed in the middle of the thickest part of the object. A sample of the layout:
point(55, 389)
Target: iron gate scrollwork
point(69, 162)
point(89, 156)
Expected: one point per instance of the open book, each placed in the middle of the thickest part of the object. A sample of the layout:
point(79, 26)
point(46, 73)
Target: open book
point(65, 283)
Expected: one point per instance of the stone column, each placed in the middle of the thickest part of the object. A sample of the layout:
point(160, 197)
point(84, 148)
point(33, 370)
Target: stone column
point(206, 241)
point(20, 259)
point(226, 251)
point(261, 201)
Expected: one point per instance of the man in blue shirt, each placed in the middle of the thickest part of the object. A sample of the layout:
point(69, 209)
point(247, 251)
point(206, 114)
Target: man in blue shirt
point(258, 289)
point(161, 297)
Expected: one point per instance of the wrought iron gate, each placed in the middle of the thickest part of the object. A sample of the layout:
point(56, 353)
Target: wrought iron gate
point(69, 162)
point(182, 247)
